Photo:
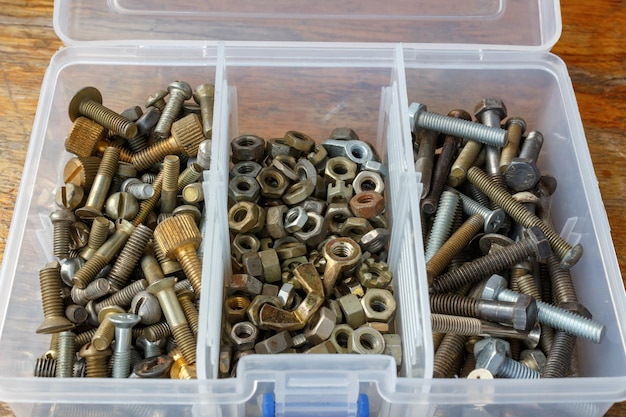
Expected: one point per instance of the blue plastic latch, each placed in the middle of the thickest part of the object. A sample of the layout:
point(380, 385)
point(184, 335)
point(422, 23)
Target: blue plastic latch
point(268, 406)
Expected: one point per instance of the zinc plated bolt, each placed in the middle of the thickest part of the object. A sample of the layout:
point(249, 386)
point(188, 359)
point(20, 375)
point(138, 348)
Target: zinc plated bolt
point(493, 218)
point(88, 102)
point(169, 191)
point(67, 354)
point(62, 220)
point(129, 256)
point(100, 188)
point(420, 118)
point(491, 354)
point(179, 91)
point(204, 96)
point(138, 188)
point(569, 255)
point(123, 322)
point(522, 173)
point(516, 126)
point(440, 230)
point(53, 309)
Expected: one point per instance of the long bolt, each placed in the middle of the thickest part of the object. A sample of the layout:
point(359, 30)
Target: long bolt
point(204, 96)
point(440, 231)
point(88, 102)
point(157, 331)
point(169, 191)
point(62, 220)
point(123, 322)
point(569, 255)
point(179, 92)
point(516, 127)
point(129, 256)
point(101, 184)
point(53, 308)
point(490, 112)
point(421, 118)
point(449, 355)
point(560, 355)
point(425, 158)
point(465, 160)
point(470, 326)
point(123, 297)
point(493, 218)
point(67, 354)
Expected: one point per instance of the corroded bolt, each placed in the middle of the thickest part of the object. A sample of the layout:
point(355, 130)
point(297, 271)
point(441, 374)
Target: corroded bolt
point(100, 188)
point(88, 102)
point(62, 220)
point(491, 355)
point(138, 188)
point(179, 238)
point(203, 95)
point(53, 309)
point(493, 218)
point(123, 323)
point(129, 256)
point(155, 366)
point(103, 335)
point(569, 254)
point(169, 191)
point(67, 354)
point(516, 127)
point(186, 137)
point(175, 316)
point(440, 231)
point(522, 173)
point(179, 92)
point(95, 361)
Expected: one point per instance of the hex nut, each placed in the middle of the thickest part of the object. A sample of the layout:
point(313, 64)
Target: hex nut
point(248, 148)
point(339, 192)
point(366, 341)
point(243, 335)
point(323, 348)
point(244, 188)
point(244, 284)
point(288, 266)
point(252, 264)
point(313, 231)
point(299, 141)
point(236, 308)
point(367, 204)
point(314, 205)
point(368, 181)
point(286, 295)
point(375, 240)
point(274, 221)
point(271, 265)
point(245, 168)
point(317, 156)
point(320, 326)
point(274, 344)
point(295, 219)
point(287, 165)
point(260, 221)
point(340, 338)
point(244, 243)
point(379, 305)
point(333, 305)
point(340, 168)
point(291, 250)
point(243, 216)
point(343, 133)
point(270, 289)
point(336, 215)
point(384, 328)
point(255, 307)
point(305, 170)
point(225, 360)
point(353, 312)
point(273, 183)
point(298, 192)
point(355, 228)
point(350, 285)
point(278, 146)
point(372, 274)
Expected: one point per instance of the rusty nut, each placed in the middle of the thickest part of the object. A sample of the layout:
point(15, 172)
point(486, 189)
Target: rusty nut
point(245, 168)
point(244, 284)
point(367, 204)
point(243, 335)
point(295, 219)
point(243, 188)
point(366, 341)
point(243, 216)
point(353, 312)
point(368, 181)
point(339, 192)
point(340, 337)
point(355, 228)
point(248, 148)
point(340, 168)
point(236, 307)
point(252, 264)
point(273, 183)
point(372, 274)
point(320, 326)
point(274, 344)
point(244, 243)
point(313, 231)
point(379, 305)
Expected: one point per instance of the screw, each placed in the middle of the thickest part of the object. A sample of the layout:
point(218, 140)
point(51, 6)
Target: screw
point(193, 193)
point(138, 188)
point(516, 127)
point(62, 220)
point(179, 238)
point(491, 355)
point(186, 299)
point(101, 184)
point(169, 191)
point(129, 256)
point(53, 309)
point(203, 95)
point(149, 348)
point(97, 288)
point(204, 154)
point(164, 291)
point(522, 173)
point(88, 139)
point(463, 162)
point(123, 297)
point(146, 206)
point(88, 102)
point(123, 322)
point(493, 218)
point(103, 336)
point(121, 205)
point(76, 313)
point(490, 112)
point(157, 331)
point(534, 244)
point(553, 316)
point(425, 158)
point(419, 117)
point(443, 223)
point(95, 361)
point(569, 255)
point(150, 266)
point(69, 196)
point(154, 367)
point(190, 175)
point(67, 353)
point(45, 367)
point(179, 92)
point(449, 355)
point(156, 100)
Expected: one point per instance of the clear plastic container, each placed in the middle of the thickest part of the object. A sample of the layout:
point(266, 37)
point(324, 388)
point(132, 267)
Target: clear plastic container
point(448, 59)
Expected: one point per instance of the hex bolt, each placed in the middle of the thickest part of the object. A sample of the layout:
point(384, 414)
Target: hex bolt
point(129, 257)
point(123, 322)
point(95, 361)
point(189, 175)
point(179, 91)
point(491, 355)
point(101, 184)
point(104, 254)
point(62, 220)
point(421, 118)
point(53, 309)
point(425, 158)
point(186, 137)
point(449, 355)
point(179, 238)
point(138, 188)
point(88, 102)
point(157, 100)
point(516, 126)
point(203, 95)
point(534, 244)
point(553, 316)
point(522, 173)
point(493, 218)
point(67, 354)
point(175, 316)
point(169, 191)
point(442, 226)
point(123, 297)
point(204, 154)
point(569, 255)
point(186, 299)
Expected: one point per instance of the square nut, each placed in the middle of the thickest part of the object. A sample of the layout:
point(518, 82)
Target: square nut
point(352, 310)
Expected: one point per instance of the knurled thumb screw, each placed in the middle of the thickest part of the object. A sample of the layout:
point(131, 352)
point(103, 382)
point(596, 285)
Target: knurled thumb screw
point(62, 220)
point(123, 322)
point(179, 92)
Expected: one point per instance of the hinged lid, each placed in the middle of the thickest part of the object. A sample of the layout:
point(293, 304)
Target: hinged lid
point(453, 24)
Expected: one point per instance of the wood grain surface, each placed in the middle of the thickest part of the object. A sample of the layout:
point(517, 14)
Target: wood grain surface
point(592, 45)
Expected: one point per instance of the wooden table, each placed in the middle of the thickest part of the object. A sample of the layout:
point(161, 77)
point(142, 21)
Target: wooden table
point(592, 45)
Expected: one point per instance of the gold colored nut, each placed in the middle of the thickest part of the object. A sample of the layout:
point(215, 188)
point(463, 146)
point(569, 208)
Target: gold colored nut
point(278, 146)
point(379, 305)
point(313, 231)
point(244, 243)
point(318, 155)
point(321, 325)
point(271, 265)
point(295, 219)
point(244, 188)
point(287, 165)
point(298, 192)
point(341, 254)
point(252, 264)
point(355, 228)
point(380, 221)
point(258, 302)
point(225, 361)
point(275, 221)
point(273, 183)
point(243, 216)
point(339, 192)
point(352, 309)
point(266, 242)
point(343, 133)
point(336, 215)
point(368, 181)
point(243, 335)
point(340, 168)
point(323, 348)
point(372, 274)
point(384, 328)
point(393, 347)
point(236, 308)
point(274, 344)
point(367, 204)
point(270, 289)
point(260, 221)
point(290, 264)
point(291, 250)
point(340, 338)
point(248, 148)
point(350, 285)
point(244, 284)
point(333, 305)
point(366, 341)
point(299, 141)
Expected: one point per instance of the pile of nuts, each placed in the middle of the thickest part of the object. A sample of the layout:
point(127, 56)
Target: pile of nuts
point(309, 244)
point(128, 217)
point(502, 300)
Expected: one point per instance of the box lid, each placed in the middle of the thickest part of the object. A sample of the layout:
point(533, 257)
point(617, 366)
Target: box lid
point(452, 24)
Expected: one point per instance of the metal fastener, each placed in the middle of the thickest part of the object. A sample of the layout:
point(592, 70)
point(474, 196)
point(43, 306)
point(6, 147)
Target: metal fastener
point(123, 323)
point(179, 91)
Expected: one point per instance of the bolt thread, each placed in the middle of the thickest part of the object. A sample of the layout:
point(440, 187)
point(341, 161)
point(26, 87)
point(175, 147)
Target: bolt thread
point(191, 313)
point(185, 341)
point(53, 350)
point(67, 354)
point(89, 270)
point(154, 154)
point(516, 349)
point(442, 258)
point(468, 366)
point(449, 356)
point(157, 331)
point(513, 369)
point(146, 206)
point(467, 326)
point(560, 356)
point(148, 177)
point(45, 368)
point(140, 190)
point(183, 284)
point(97, 288)
point(109, 164)
point(464, 161)
point(493, 136)
point(123, 297)
point(169, 194)
point(138, 143)
point(169, 114)
point(562, 286)
point(443, 223)
point(168, 266)
point(61, 239)
point(521, 214)
point(108, 118)
point(526, 285)
point(129, 257)
point(547, 338)
point(83, 338)
point(471, 206)
point(454, 305)
point(97, 236)
point(121, 364)
point(104, 335)
point(478, 195)
point(485, 266)
point(510, 150)
point(192, 266)
point(190, 175)
point(51, 284)
point(440, 175)
point(96, 367)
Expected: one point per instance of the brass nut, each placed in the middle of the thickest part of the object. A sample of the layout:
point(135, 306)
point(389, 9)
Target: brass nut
point(375, 240)
point(290, 264)
point(244, 284)
point(245, 168)
point(334, 306)
point(244, 243)
point(271, 265)
point(340, 168)
point(313, 231)
point(321, 325)
point(379, 305)
point(287, 165)
point(366, 340)
point(274, 221)
point(317, 156)
point(243, 335)
point(244, 188)
point(248, 148)
point(336, 215)
point(384, 328)
point(323, 348)
point(270, 289)
point(278, 146)
point(243, 216)
point(299, 141)
point(372, 274)
point(236, 307)
point(340, 338)
point(350, 285)
point(274, 344)
point(273, 183)
point(352, 309)
point(368, 181)
point(355, 228)
point(252, 264)
point(298, 192)
point(295, 219)
point(339, 192)
point(367, 204)
point(258, 302)
point(260, 221)
point(393, 347)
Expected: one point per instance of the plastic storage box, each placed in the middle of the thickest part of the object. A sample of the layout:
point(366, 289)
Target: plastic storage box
point(297, 74)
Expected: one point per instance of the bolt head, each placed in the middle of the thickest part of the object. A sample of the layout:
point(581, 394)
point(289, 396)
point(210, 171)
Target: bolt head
point(124, 320)
point(69, 196)
point(203, 91)
point(572, 257)
point(155, 98)
point(491, 353)
point(494, 220)
point(69, 267)
point(543, 250)
point(534, 358)
point(521, 174)
point(493, 286)
point(160, 285)
point(490, 104)
point(414, 111)
point(518, 121)
point(154, 367)
point(87, 93)
point(90, 351)
point(147, 307)
point(62, 216)
point(180, 86)
point(122, 205)
point(88, 213)
point(493, 241)
point(524, 313)
point(109, 311)
point(54, 325)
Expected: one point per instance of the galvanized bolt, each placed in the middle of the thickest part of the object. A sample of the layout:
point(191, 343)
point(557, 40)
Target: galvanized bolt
point(420, 118)
point(67, 354)
point(522, 173)
point(203, 95)
point(491, 355)
point(62, 220)
point(493, 218)
point(123, 322)
point(516, 127)
point(100, 188)
point(179, 92)
point(53, 309)
point(443, 223)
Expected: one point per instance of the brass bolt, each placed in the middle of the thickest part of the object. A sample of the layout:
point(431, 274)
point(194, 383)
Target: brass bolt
point(516, 127)
point(97, 236)
point(190, 175)
point(150, 266)
point(179, 92)
point(194, 193)
point(123, 297)
point(179, 238)
point(67, 354)
point(157, 331)
point(204, 96)
point(175, 316)
point(62, 220)
point(463, 163)
point(181, 369)
point(146, 206)
point(88, 102)
point(81, 171)
point(69, 196)
point(129, 256)
point(449, 356)
point(100, 188)
point(45, 367)
point(169, 191)
point(103, 335)
point(53, 309)
point(186, 299)
point(95, 361)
